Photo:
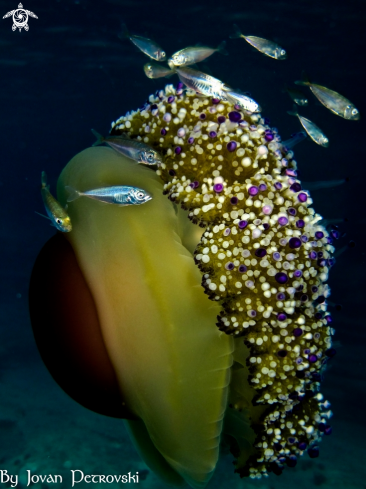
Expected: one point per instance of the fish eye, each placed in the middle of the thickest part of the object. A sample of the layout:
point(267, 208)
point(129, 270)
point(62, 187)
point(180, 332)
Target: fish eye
point(150, 157)
point(149, 67)
point(283, 52)
point(354, 111)
point(163, 54)
point(140, 195)
point(58, 221)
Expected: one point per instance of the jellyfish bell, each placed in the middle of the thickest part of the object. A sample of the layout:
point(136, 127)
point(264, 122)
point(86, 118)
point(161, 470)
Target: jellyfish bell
point(143, 327)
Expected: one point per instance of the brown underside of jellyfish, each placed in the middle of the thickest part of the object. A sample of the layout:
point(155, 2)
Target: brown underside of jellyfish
point(264, 260)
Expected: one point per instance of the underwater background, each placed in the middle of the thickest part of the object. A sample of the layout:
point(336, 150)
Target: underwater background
point(69, 73)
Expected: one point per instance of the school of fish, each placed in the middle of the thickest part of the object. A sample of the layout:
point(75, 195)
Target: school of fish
point(204, 85)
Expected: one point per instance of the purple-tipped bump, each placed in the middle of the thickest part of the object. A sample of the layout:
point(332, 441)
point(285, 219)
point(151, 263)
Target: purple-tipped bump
point(231, 146)
point(312, 358)
point(221, 119)
point(218, 187)
point(171, 99)
point(281, 316)
point(302, 197)
point(253, 190)
point(163, 132)
point(260, 252)
point(295, 187)
point(297, 332)
point(262, 187)
point(300, 223)
point(190, 140)
point(297, 273)
point(312, 255)
point(212, 134)
point(215, 101)
point(281, 277)
point(243, 224)
point(242, 268)
point(178, 150)
point(291, 211)
point(234, 116)
point(319, 235)
point(234, 200)
point(269, 136)
point(282, 221)
point(294, 243)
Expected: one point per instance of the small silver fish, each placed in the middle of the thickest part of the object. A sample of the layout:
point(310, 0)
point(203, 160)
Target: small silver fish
point(153, 70)
point(244, 102)
point(295, 138)
point(333, 101)
point(119, 195)
point(189, 56)
point(147, 46)
point(315, 133)
point(56, 213)
point(269, 48)
point(202, 83)
point(297, 96)
point(136, 150)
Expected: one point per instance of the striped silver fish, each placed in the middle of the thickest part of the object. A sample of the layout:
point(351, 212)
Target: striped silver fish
point(315, 133)
point(243, 101)
point(56, 213)
point(146, 45)
point(332, 100)
point(269, 48)
point(118, 195)
point(202, 83)
point(136, 150)
point(154, 70)
point(194, 54)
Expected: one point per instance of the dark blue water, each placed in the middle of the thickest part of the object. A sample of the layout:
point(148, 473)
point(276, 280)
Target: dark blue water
point(69, 73)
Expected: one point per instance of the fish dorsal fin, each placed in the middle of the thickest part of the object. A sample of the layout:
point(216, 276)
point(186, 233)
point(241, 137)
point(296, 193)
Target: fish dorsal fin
point(294, 111)
point(237, 33)
point(42, 215)
point(304, 79)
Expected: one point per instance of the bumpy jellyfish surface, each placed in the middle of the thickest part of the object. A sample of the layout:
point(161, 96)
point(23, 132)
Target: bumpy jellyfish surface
point(264, 257)
point(216, 333)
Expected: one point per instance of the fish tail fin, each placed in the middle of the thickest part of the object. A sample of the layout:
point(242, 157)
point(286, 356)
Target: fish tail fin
point(173, 72)
point(123, 34)
point(304, 80)
point(221, 48)
point(237, 33)
point(44, 179)
point(294, 111)
point(100, 138)
point(73, 194)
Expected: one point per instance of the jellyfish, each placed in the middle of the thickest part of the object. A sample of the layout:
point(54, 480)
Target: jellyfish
point(201, 317)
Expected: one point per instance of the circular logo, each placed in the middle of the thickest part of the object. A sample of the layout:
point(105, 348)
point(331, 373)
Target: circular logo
point(20, 18)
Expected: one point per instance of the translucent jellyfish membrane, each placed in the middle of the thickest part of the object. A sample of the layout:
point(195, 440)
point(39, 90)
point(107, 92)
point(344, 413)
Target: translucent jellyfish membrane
point(264, 261)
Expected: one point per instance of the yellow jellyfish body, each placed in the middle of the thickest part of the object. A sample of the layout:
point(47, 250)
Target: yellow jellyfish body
point(172, 364)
